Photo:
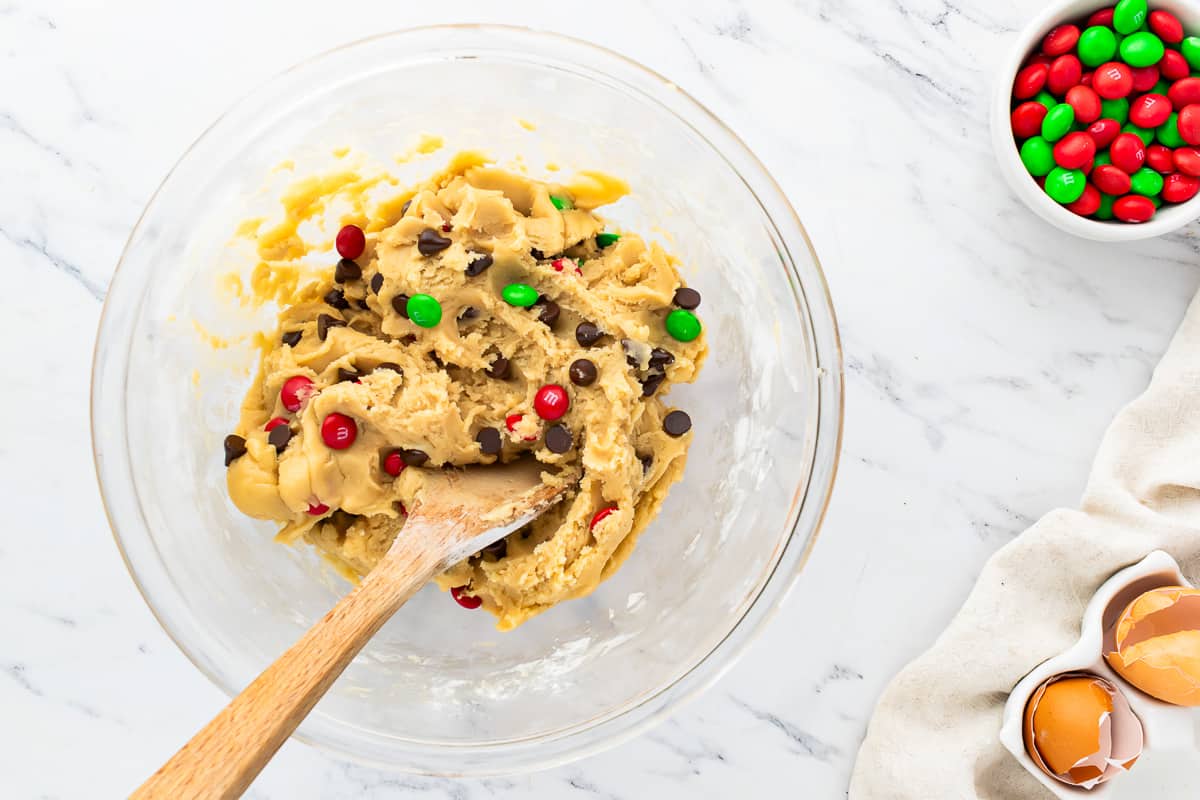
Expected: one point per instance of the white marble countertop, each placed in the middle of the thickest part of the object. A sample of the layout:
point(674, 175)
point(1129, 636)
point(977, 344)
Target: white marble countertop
point(985, 354)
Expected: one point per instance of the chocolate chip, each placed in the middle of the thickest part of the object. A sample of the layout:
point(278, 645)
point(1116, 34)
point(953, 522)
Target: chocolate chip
point(496, 550)
point(660, 358)
point(348, 374)
point(430, 242)
point(559, 439)
point(647, 462)
point(587, 334)
point(500, 368)
point(404, 208)
point(489, 441)
point(582, 372)
point(325, 322)
point(436, 359)
point(677, 423)
point(291, 338)
point(337, 299)
point(279, 436)
point(470, 312)
point(346, 270)
point(235, 448)
point(392, 365)
point(632, 360)
point(538, 255)
point(376, 282)
point(549, 311)
point(687, 298)
point(400, 304)
point(651, 383)
point(478, 265)
point(415, 458)
point(362, 303)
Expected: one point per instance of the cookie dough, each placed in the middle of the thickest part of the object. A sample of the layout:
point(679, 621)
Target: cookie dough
point(364, 387)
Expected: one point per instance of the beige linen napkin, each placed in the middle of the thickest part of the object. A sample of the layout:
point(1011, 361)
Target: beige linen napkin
point(934, 733)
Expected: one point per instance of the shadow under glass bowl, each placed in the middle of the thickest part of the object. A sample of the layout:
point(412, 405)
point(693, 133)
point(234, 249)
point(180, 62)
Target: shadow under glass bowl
point(438, 690)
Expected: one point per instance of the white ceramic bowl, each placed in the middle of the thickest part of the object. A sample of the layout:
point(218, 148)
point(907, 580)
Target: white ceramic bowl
point(1168, 218)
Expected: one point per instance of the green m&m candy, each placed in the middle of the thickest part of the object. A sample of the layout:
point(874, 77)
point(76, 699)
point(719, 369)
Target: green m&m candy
point(560, 202)
point(683, 325)
point(1101, 158)
point(1145, 134)
point(1142, 49)
point(606, 239)
point(1146, 182)
point(1058, 122)
point(1117, 109)
point(1168, 132)
point(519, 294)
point(1065, 185)
point(1097, 45)
point(1046, 99)
point(1105, 211)
point(1037, 155)
point(424, 310)
point(1190, 48)
point(1128, 15)
point(1162, 87)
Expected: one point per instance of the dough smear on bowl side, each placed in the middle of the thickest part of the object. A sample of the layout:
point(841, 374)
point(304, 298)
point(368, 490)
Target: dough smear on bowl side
point(483, 316)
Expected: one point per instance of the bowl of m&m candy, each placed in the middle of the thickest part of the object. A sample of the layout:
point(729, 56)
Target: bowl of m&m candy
point(1096, 120)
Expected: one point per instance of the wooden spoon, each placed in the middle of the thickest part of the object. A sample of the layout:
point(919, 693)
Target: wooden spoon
point(458, 513)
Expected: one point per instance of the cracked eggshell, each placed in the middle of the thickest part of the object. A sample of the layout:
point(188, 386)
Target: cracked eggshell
point(1156, 643)
point(1080, 730)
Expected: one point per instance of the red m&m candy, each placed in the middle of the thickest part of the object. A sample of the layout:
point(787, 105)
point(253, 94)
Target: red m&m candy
point(1128, 153)
point(1103, 131)
point(1112, 80)
point(1160, 159)
point(1065, 72)
point(1149, 110)
point(338, 431)
point(1179, 188)
point(1173, 65)
point(470, 601)
point(351, 242)
point(551, 401)
point(1075, 151)
point(1187, 160)
point(295, 391)
point(1111, 180)
point(1133, 208)
point(1102, 17)
point(1027, 118)
point(1184, 91)
point(1088, 202)
point(1189, 123)
point(393, 463)
point(599, 515)
point(1165, 25)
point(1086, 103)
point(1030, 81)
point(1144, 78)
point(1061, 39)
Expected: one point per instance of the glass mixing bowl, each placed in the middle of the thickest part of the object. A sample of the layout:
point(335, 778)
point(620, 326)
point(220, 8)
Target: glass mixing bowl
point(439, 690)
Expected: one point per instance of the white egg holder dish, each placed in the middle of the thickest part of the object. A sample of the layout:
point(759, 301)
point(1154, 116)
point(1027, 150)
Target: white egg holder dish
point(1169, 767)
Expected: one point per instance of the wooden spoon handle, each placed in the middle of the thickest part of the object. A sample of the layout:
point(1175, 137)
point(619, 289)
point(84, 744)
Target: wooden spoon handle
point(225, 756)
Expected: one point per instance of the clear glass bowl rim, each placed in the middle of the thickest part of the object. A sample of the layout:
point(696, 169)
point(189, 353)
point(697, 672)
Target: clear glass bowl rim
point(594, 735)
